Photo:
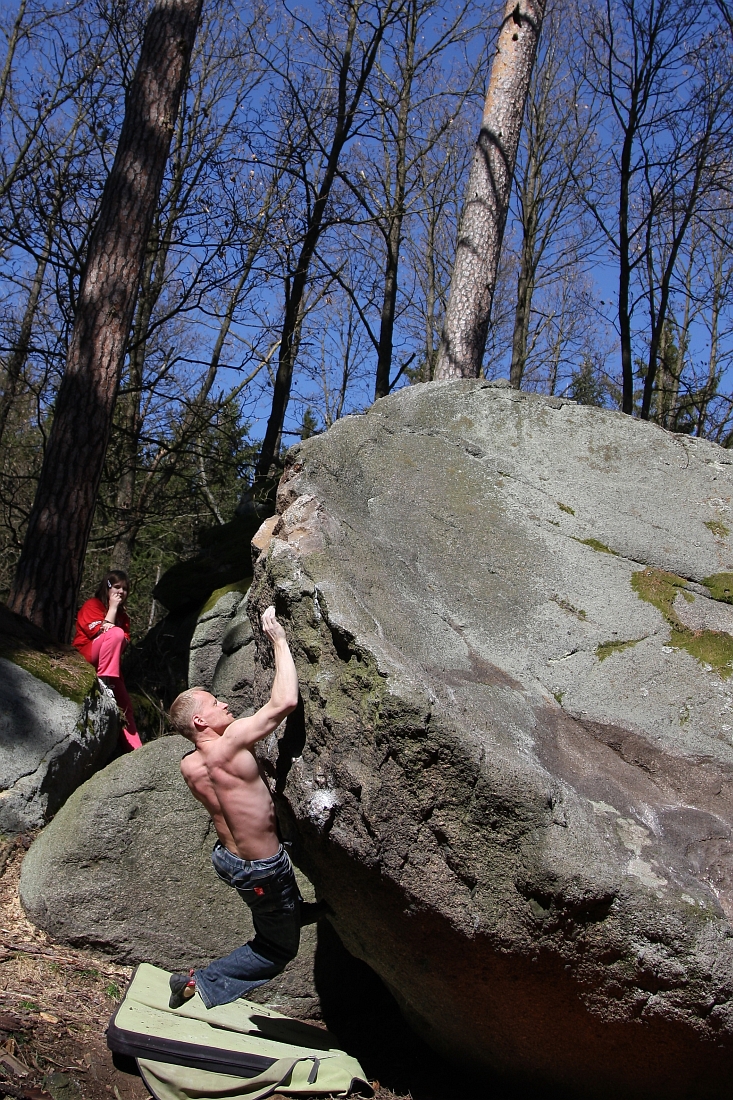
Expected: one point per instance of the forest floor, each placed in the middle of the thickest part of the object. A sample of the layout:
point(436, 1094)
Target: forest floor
point(56, 1001)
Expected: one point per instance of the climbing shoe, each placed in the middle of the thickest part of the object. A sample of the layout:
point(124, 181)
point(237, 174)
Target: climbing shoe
point(183, 988)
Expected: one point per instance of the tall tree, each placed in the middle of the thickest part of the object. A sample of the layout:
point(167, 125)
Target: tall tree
point(206, 145)
point(349, 52)
point(48, 576)
point(487, 196)
point(554, 236)
point(658, 75)
point(411, 123)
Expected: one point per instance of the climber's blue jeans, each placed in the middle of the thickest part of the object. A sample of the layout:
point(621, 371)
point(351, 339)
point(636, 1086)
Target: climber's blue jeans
point(269, 888)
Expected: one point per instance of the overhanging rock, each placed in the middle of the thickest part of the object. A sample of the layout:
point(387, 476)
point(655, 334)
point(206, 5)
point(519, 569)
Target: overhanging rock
point(512, 777)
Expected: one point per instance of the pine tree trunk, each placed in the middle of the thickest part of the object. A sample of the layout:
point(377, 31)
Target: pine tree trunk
point(487, 198)
point(48, 576)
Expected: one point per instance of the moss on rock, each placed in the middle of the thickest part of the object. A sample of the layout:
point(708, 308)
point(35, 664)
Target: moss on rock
point(59, 666)
point(710, 647)
point(68, 674)
point(720, 586)
point(237, 586)
point(605, 649)
point(600, 547)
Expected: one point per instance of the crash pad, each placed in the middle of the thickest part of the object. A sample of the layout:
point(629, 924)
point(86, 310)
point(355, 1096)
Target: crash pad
point(239, 1049)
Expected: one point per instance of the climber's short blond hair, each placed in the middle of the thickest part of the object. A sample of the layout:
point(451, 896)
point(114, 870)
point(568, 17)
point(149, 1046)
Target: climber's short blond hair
point(183, 708)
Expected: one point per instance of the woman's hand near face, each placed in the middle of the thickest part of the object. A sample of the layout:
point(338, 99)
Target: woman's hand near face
point(117, 597)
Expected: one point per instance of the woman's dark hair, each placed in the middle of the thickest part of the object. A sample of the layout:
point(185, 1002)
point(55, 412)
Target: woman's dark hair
point(115, 576)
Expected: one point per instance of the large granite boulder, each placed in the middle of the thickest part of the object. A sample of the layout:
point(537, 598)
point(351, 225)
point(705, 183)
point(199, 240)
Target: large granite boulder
point(512, 776)
point(124, 867)
point(57, 724)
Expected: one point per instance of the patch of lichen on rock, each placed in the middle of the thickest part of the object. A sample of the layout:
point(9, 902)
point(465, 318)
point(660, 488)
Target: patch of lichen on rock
point(720, 586)
point(66, 673)
point(599, 547)
point(711, 647)
point(353, 688)
point(605, 649)
point(59, 666)
point(718, 529)
point(237, 586)
point(660, 589)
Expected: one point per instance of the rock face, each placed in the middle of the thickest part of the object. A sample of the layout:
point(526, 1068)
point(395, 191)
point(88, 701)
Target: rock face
point(512, 777)
point(222, 655)
point(124, 867)
point(49, 744)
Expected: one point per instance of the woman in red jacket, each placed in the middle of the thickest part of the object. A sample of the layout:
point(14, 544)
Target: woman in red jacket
point(102, 632)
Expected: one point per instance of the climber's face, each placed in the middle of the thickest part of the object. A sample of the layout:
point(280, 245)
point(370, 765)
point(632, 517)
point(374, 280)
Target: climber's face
point(212, 713)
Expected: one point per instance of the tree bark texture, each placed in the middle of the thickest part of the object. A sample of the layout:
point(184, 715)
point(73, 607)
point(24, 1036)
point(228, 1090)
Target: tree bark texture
point(48, 576)
point(487, 197)
point(624, 265)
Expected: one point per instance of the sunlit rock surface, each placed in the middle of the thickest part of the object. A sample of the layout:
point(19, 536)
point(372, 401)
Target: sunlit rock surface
point(512, 775)
point(58, 725)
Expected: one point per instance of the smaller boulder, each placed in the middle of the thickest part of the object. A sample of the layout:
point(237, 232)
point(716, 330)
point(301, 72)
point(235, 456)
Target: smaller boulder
point(125, 868)
point(49, 744)
point(222, 656)
point(211, 625)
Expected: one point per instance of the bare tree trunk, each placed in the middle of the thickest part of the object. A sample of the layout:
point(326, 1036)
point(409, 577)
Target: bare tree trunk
point(10, 55)
point(389, 305)
point(48, 576)
point(715, 308)
point(19, 354)
point(430, 303)
point(397, 213)
point(525, 291)
point(130, 422)
point(487, 199)
point(665, 289)
point(293, 318)
point(671, 402)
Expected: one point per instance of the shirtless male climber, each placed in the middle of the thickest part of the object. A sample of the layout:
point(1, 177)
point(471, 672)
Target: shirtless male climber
point(222, 773)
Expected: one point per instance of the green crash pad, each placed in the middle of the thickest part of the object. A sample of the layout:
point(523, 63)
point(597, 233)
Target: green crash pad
point(239, 1049)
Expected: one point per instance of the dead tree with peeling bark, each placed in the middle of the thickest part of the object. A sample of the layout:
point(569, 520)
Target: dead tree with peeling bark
point(48, 576)
point(487, 196)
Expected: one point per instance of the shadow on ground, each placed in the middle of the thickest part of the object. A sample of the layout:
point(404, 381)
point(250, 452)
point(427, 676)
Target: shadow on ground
point(360, 1011)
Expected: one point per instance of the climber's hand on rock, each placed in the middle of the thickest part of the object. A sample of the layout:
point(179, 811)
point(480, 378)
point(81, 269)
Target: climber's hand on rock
point(272, 628)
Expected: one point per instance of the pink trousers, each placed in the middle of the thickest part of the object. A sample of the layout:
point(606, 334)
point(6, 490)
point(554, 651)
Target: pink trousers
point(106, 656)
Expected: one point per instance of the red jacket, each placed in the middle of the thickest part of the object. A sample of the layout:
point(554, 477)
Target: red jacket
point(88, 621)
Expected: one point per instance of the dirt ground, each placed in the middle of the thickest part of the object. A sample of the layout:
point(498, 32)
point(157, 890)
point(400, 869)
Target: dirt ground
point(55, 1003)
point(54, 1006)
